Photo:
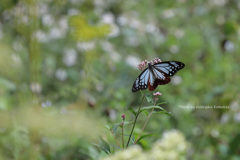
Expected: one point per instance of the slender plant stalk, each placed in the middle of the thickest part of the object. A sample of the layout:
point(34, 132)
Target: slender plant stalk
point(115, 138)
point(145, 123)
point(144, 126)
point(122, 138)
point(135, 121)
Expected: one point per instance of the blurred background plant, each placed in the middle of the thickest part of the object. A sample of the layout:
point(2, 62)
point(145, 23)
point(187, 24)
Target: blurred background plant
point(65, 64)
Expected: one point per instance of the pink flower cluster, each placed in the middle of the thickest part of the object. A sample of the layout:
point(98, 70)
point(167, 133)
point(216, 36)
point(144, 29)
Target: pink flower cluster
point(156, 60)
point(157, 94)
point(142, 65)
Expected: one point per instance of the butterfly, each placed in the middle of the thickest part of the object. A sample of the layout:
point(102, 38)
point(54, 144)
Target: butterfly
point(156, 74)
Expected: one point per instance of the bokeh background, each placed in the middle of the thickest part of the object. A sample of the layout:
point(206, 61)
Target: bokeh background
point(67, 69)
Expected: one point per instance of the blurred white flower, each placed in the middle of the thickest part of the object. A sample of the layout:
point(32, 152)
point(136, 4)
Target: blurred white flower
point(224, 118)
point(36, 87)
point(42, 9)
point(17, 46)
point(169, 13)
point(237, 117)
point(63, 23)
point(135, 23)
point(179, 33)
point(172, 146)
point(16, 58)
point(214, 133)
point(46, 104)
point(100, 86)
point(47, 20)
point(132, 41)
point(234, 106)
point(229, 46)
point(41, 36)
point(133, 61)
point(122, 20)
point(132, 153)
point(61, 74)
point(69, 57)
point(217, 2)
point(115, 31)
point(174, 49)
point(56, 33)
point(176, 80)
point(99, 3)
point(220, 20)
point(151, 28)
point(108, 47)
point(85, 46)
point(108, 18)
point(72, 12)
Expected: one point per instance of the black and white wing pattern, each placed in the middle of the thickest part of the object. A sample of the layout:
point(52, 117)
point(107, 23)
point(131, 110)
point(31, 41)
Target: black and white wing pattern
point(157, 74)
point(169, 67)
point(141, 82)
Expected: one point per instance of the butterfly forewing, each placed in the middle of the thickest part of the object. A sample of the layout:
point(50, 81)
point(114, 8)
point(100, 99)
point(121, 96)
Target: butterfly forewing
point(142, 81)
point(169, 67)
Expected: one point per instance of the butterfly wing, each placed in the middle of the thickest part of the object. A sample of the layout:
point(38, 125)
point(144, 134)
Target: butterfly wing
point(142, 81)
point(163, 71)
point(169, 67)
point(160, 78)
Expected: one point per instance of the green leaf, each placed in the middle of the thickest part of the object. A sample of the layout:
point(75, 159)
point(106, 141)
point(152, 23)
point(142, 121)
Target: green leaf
point(146, 113)
point(105, 146)
point(146, 135)
point(132, 110)
point(161, 103)
point(150, 107)
point(128, 122)
point(115, 126)
point(149, 97)
point(108, 127)
point(162, 112)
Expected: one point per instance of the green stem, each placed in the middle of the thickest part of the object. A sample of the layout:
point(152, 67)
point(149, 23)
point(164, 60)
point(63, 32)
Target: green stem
point(145, 123)
point(135, 121)
point(122, 137)
point(144, 126)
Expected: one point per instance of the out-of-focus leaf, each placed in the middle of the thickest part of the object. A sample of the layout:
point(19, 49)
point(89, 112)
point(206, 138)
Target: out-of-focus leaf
point(146, 135)
point(149, 97)
point(162, 112)
point(150, 107)
point(105, 146)
point(234, 145)
point(132, 111)
point(115, 126)
point(85, 32)
point(146, 113)
point(161, 103)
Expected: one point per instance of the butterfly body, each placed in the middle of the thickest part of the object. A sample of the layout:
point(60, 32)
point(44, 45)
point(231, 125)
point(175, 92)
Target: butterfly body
point(156, 74)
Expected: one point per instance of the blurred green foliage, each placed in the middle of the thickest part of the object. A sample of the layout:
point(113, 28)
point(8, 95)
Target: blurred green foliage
point(66, 57)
